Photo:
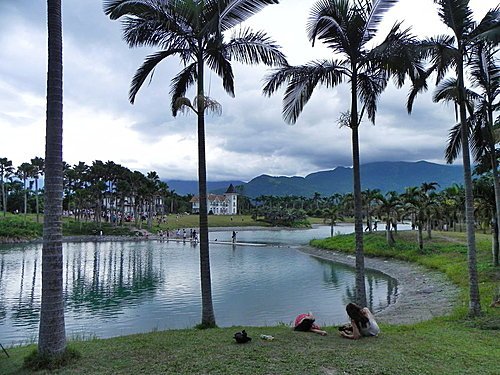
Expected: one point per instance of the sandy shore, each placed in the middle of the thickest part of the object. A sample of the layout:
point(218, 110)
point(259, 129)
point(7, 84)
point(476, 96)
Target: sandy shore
point(423, 293)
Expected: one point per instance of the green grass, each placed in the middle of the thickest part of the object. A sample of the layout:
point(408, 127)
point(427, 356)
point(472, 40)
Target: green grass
point(438, 347)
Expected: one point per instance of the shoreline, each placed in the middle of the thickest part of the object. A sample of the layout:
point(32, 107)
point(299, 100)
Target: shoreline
point(423, 294)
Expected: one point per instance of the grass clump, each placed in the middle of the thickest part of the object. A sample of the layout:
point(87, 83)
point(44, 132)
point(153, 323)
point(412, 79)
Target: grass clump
point(36, 362)
point(17, 227)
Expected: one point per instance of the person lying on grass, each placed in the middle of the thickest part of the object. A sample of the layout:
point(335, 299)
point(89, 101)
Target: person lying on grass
point(363, 323)
point(305, 323)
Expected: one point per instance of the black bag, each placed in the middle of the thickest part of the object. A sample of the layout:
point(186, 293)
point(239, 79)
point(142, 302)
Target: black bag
point(242, 337)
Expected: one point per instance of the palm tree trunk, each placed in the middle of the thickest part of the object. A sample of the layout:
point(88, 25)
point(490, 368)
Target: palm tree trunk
point(496, 221)
point(420, 236)
point(52, 335)
point(474, 302)
point(207, 314)
point(36, 199)
point(358, 214)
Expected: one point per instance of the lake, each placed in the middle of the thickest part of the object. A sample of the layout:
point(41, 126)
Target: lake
point(119, 288)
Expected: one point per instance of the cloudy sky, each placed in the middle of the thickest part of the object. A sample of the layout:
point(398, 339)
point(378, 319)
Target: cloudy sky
point(249, 139)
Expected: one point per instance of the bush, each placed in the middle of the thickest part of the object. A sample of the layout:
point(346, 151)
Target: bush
point(16, 227)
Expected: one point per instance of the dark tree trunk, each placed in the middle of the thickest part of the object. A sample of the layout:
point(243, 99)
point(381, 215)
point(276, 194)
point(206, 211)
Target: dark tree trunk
point(358, 213)
point(52, 335)
point(474, 299)
point(207, 314)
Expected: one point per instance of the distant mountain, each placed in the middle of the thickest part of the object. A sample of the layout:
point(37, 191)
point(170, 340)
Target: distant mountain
point(191, 187)
point(385, 176)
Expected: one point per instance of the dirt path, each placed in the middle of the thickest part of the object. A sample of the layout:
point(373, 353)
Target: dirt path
point(422, 293)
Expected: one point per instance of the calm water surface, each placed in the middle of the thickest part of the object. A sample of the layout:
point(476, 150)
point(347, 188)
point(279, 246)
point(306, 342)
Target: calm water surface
point(118, 288)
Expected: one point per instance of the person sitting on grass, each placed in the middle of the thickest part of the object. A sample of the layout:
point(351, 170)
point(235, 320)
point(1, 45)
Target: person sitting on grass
point(305, 323)
point(363, 323)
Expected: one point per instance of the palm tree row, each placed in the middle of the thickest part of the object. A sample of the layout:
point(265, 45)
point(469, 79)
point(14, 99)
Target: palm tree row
point(347, 28)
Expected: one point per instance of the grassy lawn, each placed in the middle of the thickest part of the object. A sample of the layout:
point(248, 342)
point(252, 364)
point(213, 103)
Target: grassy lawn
point(446, 345)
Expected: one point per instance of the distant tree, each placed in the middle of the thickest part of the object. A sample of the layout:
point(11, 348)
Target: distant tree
point(38, 165)
point(6, 170)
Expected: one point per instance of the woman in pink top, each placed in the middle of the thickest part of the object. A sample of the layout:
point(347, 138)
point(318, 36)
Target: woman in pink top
point(305, 323)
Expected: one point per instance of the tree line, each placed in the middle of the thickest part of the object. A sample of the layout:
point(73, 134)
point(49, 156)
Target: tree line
point(99, 191)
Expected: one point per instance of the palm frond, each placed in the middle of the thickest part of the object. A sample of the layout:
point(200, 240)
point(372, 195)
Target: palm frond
point(250, 47)
point(301, 81)
point(489, 27)
point(398, 55)
point(181, 83)
point(146, 69)
point(419, 85)
point(116, 9)
point(442, 52)
point(218, 60)
point(233, 12)
point(454, 145)
point(447, 91)
point(375, 15)
point(457, 15)
point(327, 21)
point(370, 86)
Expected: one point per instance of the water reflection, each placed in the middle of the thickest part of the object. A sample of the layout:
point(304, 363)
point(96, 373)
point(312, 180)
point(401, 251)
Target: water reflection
point(119, 288)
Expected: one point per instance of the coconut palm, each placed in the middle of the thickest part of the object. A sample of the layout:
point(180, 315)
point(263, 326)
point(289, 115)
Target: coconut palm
point(450, 52)
point(387, 209)
point(347, 28)
point(195, 32)
point(52, 334)
point(24, 172)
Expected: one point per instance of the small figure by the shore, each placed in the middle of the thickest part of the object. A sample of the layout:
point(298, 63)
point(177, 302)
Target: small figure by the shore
point(234, 237)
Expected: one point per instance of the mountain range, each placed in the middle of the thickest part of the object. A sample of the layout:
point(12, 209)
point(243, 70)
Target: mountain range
point(385, 176)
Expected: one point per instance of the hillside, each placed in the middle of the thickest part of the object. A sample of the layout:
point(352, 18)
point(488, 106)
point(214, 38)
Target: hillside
point(385, 176)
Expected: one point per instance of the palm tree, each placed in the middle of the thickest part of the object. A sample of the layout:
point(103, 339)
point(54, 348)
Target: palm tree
point(194, 31)
point(347, 28)
point(25, 171)
point(6, 169)
point(388, 211)
point(448, 52)
point(52, 335)
point(485, 76)
point(38, 165)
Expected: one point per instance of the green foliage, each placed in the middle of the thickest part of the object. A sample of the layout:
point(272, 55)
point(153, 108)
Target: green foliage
point(36, 362)
point(82, 228)
point(15, 227)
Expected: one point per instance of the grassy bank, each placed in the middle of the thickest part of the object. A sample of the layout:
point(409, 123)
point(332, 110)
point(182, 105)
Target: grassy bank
point(445, 252)
point(447, 345)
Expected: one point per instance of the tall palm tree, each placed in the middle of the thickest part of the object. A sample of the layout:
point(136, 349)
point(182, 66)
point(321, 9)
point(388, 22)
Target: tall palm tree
point(347, 28)
point(194, 31)
point(450, 52)
point(6, 169)
point(52, 333)
point(485, 76)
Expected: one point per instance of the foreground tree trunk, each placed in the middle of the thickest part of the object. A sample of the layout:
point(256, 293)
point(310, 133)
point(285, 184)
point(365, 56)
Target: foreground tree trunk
point(207, 310)
point(52, 335)
point(358, 207)
point(474, 299)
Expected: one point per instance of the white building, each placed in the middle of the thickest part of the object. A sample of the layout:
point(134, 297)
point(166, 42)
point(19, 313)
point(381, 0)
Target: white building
point(226, 204)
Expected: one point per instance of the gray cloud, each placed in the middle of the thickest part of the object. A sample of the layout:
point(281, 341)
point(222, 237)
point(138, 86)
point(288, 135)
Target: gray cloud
point(249, 139)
